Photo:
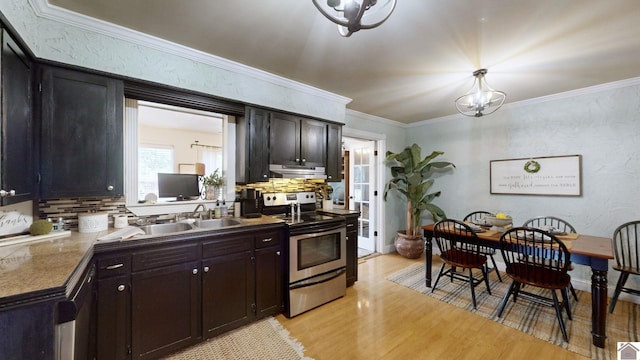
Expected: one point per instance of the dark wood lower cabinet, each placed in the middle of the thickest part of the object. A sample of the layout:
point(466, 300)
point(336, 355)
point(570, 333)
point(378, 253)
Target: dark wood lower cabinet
point(162, 298)
point(113, 320)
point(166, 310)
point(269, 295)
point(28, 331)
point(227, 283)
point(352, 249)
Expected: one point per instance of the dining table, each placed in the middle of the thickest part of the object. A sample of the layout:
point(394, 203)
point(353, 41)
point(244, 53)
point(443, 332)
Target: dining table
point(589, 250)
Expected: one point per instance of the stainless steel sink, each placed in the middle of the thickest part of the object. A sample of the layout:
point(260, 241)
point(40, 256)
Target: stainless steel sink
point(155, 229)
point(216, 223)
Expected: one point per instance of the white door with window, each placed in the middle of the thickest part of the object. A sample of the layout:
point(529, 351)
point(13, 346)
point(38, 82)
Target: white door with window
point(361, 190)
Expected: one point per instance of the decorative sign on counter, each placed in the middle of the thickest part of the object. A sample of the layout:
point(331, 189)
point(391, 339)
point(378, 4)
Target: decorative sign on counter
point(15, 219)
point(552, 175)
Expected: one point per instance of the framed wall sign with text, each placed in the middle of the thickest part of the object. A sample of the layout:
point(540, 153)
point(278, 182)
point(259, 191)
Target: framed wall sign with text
point(551, 175)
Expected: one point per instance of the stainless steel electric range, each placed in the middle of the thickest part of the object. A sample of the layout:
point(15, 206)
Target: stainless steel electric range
point(317, 250)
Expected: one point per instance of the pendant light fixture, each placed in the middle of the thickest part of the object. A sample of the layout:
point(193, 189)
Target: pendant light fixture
point(480, 99)
point(354, 15)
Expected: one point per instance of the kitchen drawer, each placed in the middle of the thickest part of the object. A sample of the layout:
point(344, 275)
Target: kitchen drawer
point(224, 245)
point(271, 238)
point(113, 265)
point(352, 223)
point(149, 259)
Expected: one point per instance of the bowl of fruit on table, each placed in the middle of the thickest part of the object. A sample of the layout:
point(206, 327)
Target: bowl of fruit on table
point(500, 222)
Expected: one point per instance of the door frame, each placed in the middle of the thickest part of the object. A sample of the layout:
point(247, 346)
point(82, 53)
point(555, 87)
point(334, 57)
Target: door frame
point(381, 148)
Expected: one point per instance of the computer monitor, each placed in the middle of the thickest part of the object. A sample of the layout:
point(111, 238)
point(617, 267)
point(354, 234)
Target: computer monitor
point(178, 186)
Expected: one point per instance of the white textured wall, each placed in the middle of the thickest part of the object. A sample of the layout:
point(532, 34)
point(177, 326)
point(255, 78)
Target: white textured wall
point(180, 67)
point(603, 127)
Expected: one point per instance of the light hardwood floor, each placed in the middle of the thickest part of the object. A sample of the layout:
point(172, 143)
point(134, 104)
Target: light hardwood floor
point(379, 319)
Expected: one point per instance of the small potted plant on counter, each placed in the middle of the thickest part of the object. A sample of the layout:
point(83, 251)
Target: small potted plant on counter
point(213, 185)
point(411, 177)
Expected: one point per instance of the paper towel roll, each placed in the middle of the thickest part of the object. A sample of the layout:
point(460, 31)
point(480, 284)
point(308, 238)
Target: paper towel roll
point(92, 222)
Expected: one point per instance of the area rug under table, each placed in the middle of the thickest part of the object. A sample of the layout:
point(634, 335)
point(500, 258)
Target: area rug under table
point(265, 339)
point(534, 319)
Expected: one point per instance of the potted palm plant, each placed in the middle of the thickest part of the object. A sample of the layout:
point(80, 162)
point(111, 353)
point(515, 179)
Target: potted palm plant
point(213, 185)
point(411, 177)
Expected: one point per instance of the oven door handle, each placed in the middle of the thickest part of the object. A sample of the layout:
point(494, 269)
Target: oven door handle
point(318, 279)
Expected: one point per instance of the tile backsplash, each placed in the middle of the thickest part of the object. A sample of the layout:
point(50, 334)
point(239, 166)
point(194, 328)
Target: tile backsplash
point(68, 209)
point(283, 185)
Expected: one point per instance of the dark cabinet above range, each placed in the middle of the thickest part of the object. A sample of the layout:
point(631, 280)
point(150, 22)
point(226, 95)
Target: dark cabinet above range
point(267, 138)
point(297, 141)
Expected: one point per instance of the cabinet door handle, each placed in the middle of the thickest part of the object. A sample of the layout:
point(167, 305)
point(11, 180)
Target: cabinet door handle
point(114, 266)
point(297, 160)
point(194, 271)
point(4, 193)
point(304, 160)
point(110, 188)
point(265, 176)
point(206, 269)
point(278, 253)
point(267, 240)
point(121, 287)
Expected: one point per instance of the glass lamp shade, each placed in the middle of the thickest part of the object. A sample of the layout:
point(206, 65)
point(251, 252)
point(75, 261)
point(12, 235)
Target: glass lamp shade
point(354, 15)
point(481, 99)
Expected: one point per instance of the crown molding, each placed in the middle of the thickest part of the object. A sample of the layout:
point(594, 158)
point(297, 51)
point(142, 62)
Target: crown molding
point(579, 92)
point(542, 99)
point(43, 9)
point(367, 117)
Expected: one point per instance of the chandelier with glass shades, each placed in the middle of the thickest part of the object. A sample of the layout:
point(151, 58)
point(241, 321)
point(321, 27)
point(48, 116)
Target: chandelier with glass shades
point(355, 15)
point(480, 99)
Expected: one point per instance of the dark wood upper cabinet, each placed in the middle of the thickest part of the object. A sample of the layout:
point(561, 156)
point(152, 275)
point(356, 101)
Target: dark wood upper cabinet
point(334, 152)
point(252, 146)
point(297, 141)
point(17, 167)
point(81, 135)
point(284, 134)
point(313, 142)
point(266, 137)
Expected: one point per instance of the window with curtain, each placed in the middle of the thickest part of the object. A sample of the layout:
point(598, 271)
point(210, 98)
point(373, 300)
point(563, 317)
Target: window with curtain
point(211, 157)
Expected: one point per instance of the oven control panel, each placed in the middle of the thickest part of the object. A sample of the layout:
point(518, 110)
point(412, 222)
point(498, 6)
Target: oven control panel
point(279, 199)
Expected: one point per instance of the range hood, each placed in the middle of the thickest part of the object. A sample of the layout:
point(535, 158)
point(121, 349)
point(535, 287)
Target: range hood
point(297, 172)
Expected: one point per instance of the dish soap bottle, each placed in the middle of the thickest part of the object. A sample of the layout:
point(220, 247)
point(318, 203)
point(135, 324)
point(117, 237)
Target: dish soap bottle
point(224, 211)
point(216, 211)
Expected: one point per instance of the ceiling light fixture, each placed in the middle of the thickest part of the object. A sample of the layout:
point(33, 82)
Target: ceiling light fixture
point(349, 14)
point(480, 99)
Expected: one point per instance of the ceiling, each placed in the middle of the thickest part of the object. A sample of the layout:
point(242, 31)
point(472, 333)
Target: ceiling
point(413, 66)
